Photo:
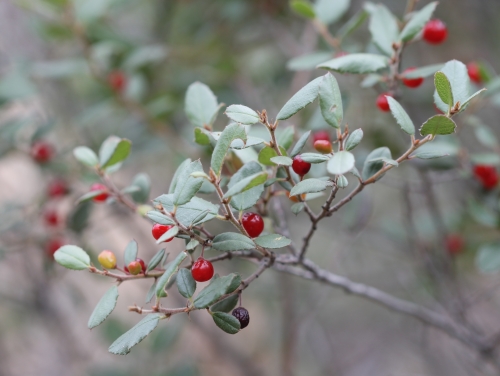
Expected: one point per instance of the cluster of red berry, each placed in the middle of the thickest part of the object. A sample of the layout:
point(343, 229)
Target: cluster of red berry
point(487, 176)
point(117, 81)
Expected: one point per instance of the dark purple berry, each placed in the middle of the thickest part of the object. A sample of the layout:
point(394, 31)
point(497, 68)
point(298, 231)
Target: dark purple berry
point(242, 315)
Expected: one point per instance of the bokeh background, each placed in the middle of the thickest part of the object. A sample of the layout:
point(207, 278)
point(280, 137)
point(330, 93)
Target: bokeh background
point(240, 49)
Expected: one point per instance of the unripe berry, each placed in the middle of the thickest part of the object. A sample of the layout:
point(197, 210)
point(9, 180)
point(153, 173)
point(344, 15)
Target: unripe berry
point(412, 82)
point(143, 265)
point(474, 72)
point(53, 245)
point(57, 188)
point(487, 175)
point(253, 224)
point(202, 270)
point(42, 151)
point(323, 146)
point(242, 315)
point(158, 230)
point(300, 166)
point(134, 267)
point(99, 187)
point(51, 217)
point(107, 259)
point(383, 103)
point(454, 244)
point(321, 135)
point(117, 80)
point(435, 31)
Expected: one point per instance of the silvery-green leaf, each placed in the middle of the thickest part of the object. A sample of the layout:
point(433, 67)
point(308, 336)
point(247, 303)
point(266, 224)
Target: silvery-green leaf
point(340, 163)
point(86, 156)
point(360, 63)
point(308, 61)
point(170, 270)
point(185, 283)
point(200, 105)
point(160, 218)
point(230, 133)
point(280, 160)
point(417, 22)
point(329, 12)
point(232, 241)
point(131, 251)
point(217, 288)
point(300, 144)
point(113, 150)
point(354, 139)
point(330, 101)
point(309, 186)
point(371, 168)
point(457, 75)
point(401, 116)
point(314, 157)
point(246, 183)
point(135, 335)
point(248, 198)
point(272, 241)
point(187, 185)
point(104, 308)
point(383, 28)
point(242, 114)
point(226, 322)
point(172, 232)
point(300, 100)
point(72, 257)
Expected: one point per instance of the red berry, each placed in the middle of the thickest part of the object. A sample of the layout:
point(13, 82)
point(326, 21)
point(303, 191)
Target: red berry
point(454, 244)
point(57, 188)
point(487, 175)
point(412, 82)
point(102, 196)
point(158, 230)
point(321, 136)
point(435, 31)
point(51, 217)
point(474, 72)
point(134, 268)
point(323, 146)
point(117, 80)
point(300, 166)
point(341, 53)
point(42, 151)
point(242, 315)
point(53, 245)
point(143, 265)
point(202, 270)
point(382, 102)
point(253, 224)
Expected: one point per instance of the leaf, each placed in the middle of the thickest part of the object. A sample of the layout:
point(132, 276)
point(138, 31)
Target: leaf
point(113, 150)
point(300, 144)
point(200, 105)
point(248, 198)
point(330, 101)
point(203, 137)
point(302, 8)
point(301, 99)
point(185, 283)
point(143, 182)
point(385, 160)
point(429, 155)
point(356, 63)
point(247, 183)
point(438, 124)
point(175, 178)
point(155, 260)
point(230, 133)
point(242, 114)
point(443, 88)
point(488, 258)
point(342, 181)
point(226, 322)
point(169, 272)
point(485, 136)
point(273, 241)
point(284, 161)
point(456, 72)
point(371, 168)
point(354, 139)
point(285, 137)
point(226, 305)
point(130, 253)
point(135, 335)
point(78, 218)
point(151, 292)
point(72, 257)
point(160, 218)
point(232, 241)
point(314, 157)
point(86, 156)
point(193, 243)
point(308, 61)
point(329, 12)
point(297, 208)
point(187, 185)
point(187, 213)
point(171, 233)
point(309, 186)
point(401, 116)
point(342, 162)
point(423, 72)
point(216, 289)
point(383, 28)
point(466, 102)
point(353, 23)
point(417, 22)
point(89, 196)
point(265, 156)
point(104, 308)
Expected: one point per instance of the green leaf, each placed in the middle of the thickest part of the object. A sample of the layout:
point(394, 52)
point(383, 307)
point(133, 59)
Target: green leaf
point(383, 28)
point(429, 155)
point(246, 184)
point(417, 22)
point(151, 293)
point(456, 72)
point(300, 144)
point(168, 235)
point(143, 182)
point(401, 116)
point(466, 102)
point(72, 257)
point(265, 156)
point(86, 156)
point(226, 322)
point(193, 243)
point(371, 168)
point(160, 218)
point(284, 161)
point(155, 260)
point(330, 101)
point(230, 133)
point(185, 283)
point(301, 99)
point(438, 124)
point(297, 208)
point(79, 217)
point(104, 308)
point(131, 252)
point(175, 178)
point(203, 137)
point(309, 186)
point(248, 198)
point(342, 162)
point(242, 114)
point(187, 185)
point(302, 8)
point(314, 157)
point(443, 88)
point(187, 213)
point(272, 241)
point(385, 160)
point(353, 23)
point(216, 289)
point(226, 305)
point(200, 105)
point(485, 136)
point(485, 158)
point(135, 335)
point(423, 72)
point(356, 63)
point(308, 61)
point(354, 139)
point(232, 241)
point(488, 258)
point(170, 270)
point(285, 137)
point(113, 150)
point(329, 12)
point(89, 196)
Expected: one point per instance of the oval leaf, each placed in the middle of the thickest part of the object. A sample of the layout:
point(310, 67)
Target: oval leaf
point(230, 133)
point(457, 75)
point(226, 305)
point(187, 185)
point(86, 156)
point(168, 235)
point(242, 114)
point(160, 218)
point(104, 308)
point(356, 63)
point(216, 289)
point(185, 283)
point(272, 241)
point(72, 257)
point(226, 322)
point(300, 144)
point(309, 186)
point(113, 150)
point(330, 101)
point(443, 88)
point(301, 99)
point(155, 260)
point(135, 335)
point(438, 125)
point(201, 105)
point(341, 163)
point(373, 164)
point(354, 139)
point(401, 116)
point(417, 22)
point(232, 241)
point(314, 157)
point(246, 184)
point(169, 272)
point(284, 161)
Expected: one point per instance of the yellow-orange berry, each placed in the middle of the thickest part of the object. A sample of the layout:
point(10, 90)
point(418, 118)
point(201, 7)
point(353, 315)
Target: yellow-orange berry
point(107, 259)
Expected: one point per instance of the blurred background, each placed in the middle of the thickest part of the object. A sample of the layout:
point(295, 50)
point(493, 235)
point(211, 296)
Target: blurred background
point(73, 72)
